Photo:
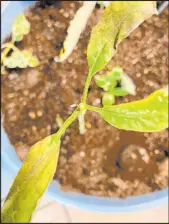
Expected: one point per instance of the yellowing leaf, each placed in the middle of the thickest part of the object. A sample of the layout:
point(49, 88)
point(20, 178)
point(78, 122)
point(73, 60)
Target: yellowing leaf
point(21, 59)
point(3, 71)
point(76, 27)
point(119, 20)
point(33, 62)
point(147, 115)
point(32, 180)
point(15, 60)
point(20, 27)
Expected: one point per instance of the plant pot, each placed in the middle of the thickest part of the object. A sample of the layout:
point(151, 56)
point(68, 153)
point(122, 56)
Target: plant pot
point(11, 163)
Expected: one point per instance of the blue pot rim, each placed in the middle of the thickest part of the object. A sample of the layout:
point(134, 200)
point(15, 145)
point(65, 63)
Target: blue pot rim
point(79, 200)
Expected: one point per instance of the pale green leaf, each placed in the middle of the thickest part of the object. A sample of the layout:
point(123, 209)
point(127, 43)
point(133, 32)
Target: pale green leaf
point(119, 20)
point(76, 27)
point(101, 81)
point(21, 59)
point(16, 59)
point(117, 72)
point(10, 63)
point(112, 80)
point(106, 82)
point(147, 115)
point(32, 180)
point(20, 27)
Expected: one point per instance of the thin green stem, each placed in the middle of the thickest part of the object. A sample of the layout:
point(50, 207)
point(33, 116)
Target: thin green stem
point(86, 88)
point(95, 109)
point(68, 122)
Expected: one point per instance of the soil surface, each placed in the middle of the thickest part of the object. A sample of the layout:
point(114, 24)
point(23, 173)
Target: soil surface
point(104, 161)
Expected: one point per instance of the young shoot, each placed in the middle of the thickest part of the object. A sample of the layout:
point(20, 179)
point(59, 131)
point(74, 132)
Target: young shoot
point(59, 120)
point(17, 58)
point(120, 18)
point(110, 84)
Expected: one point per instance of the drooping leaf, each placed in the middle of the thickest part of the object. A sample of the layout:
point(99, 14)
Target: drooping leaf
point(20, 27)
point(76, 27)
point(32, 180)
point(147, 115)
point(118, 21)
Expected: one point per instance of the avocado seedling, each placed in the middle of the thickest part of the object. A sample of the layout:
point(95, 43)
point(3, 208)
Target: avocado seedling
point(120, 18)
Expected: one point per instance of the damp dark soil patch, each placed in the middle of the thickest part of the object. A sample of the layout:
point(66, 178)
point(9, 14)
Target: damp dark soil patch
point(105, 161)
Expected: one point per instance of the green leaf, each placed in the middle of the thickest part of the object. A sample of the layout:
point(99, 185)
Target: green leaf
point(112, 80)
point(101, 81)
point(76, 27)
point(106, 82)
point(117, 72)
point(119, 20)
point(120, 92)
point(147, 115)
point(20, 27)
point(108, 99)
point(32, 180)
